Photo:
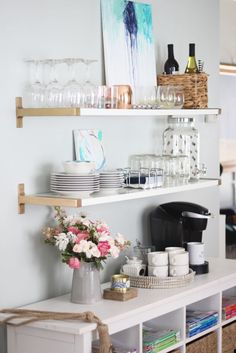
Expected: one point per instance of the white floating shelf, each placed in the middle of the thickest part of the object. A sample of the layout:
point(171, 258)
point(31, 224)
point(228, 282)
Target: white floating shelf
point(22, 112)
point(149, 112)
point(50, 199)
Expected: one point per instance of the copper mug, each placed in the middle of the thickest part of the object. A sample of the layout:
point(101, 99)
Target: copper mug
point(124, 96)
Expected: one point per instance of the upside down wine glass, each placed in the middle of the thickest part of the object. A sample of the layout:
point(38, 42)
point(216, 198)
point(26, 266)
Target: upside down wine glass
point(34, 90)
point(73, 91)
point(89, 89)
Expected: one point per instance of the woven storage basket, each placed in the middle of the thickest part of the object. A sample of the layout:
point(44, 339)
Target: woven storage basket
point(195, 88)
point(206, 344)
point(151, 282)
point(229, 338)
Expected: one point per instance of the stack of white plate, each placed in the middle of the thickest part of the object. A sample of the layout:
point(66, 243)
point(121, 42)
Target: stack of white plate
point(74, 184)
point(112, 179)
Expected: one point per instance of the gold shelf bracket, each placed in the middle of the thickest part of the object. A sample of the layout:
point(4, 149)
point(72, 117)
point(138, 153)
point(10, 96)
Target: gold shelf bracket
point(19, 115)
point(21, 198)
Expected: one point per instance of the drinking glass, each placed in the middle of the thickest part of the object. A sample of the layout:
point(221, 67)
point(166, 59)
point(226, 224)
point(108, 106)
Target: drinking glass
point(34, 94)
point(179, 97)
point(145, 97)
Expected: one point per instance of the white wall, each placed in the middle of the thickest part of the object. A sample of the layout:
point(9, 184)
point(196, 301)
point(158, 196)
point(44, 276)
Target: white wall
point(227, 31)
point(30, 270)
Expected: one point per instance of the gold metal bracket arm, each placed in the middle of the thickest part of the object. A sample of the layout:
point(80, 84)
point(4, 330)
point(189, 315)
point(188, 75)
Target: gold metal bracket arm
point(21, 198)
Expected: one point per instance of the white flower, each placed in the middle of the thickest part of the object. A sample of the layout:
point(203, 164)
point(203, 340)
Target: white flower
point(105, 237)
point(62, 241)
point(95, 252)
point(120, 239)
point(70, 220)
point(72, 237)
point(114, 251)
point(83, 246)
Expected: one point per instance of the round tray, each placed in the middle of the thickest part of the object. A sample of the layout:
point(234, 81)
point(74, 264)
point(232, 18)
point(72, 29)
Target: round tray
point(151, 282)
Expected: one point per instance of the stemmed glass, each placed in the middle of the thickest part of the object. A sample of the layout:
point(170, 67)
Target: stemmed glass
point(72, 92)
point(34, 91)
point(89, 89)
point(54, 92)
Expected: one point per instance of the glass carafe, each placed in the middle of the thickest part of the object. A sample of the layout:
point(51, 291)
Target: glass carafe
point(181, 138)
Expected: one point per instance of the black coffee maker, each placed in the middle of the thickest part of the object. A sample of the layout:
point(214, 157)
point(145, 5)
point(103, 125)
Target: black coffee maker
point(176, 224)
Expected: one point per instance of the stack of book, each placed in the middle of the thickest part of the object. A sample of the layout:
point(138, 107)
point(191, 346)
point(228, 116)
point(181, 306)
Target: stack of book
point(155, 340)
point(228, 307)
point(117, 347)
point(198, 321)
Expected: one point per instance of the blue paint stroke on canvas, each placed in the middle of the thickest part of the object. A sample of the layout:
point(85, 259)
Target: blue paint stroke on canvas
point(128, 43)
point(131, 29)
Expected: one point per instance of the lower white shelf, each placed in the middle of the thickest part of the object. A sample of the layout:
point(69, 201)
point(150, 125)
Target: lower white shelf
point(157, 307)
point(125, 194)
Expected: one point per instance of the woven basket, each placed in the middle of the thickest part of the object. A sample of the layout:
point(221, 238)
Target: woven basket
point(229, 338)
point(206, 344)
point(150, 282)
point(195, 88)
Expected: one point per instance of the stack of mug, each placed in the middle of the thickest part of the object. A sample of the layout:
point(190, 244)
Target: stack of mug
point(174, 261)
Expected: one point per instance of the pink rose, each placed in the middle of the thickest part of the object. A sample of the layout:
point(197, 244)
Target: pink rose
point(103, 229)
point(73, 230)
point(81, 236)
point(104, 247)
point(74, 262)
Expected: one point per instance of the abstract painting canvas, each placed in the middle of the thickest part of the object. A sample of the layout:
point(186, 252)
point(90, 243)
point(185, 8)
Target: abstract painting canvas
point(88, 146)
point(128, 43)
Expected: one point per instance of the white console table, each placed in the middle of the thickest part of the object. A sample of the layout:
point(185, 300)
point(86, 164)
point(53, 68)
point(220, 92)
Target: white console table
point(164, 308)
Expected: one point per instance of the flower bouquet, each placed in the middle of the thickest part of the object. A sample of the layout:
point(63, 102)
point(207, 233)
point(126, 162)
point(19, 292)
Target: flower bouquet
point(80, 239)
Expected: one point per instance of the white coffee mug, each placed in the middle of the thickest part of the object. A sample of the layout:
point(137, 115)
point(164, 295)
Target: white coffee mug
point(158, 258)
point(134, 270)
point(158, 271)
point(178, 270)
point(179, 259)
point(175, 249)
point(196, 253)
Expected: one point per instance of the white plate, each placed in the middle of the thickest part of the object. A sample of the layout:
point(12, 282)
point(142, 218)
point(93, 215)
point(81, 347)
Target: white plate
point(76, 175)
point(75, 183)
point(74, 188)
point(75, 193)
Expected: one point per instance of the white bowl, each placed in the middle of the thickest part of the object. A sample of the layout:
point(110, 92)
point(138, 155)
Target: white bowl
point(78, 167)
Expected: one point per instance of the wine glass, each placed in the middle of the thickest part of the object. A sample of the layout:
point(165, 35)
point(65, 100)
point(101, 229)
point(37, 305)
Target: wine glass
point(54, 92)
point(34, 91)
point(72, 92)
point(89, 89)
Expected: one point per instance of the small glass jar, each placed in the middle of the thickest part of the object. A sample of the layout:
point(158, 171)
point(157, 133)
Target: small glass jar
point(181, 138)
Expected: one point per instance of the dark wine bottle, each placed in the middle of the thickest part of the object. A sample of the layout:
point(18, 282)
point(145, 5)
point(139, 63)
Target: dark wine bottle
point(171, 66)
point(191, 67)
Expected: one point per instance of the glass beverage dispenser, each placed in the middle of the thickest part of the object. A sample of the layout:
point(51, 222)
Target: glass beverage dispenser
point(181, 138)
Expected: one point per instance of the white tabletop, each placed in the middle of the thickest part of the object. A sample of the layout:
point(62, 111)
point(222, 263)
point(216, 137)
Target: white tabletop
point(222, 275)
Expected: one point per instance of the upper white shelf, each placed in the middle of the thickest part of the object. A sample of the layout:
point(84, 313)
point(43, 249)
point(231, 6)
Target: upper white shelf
point(50, 199)
point(228, 69)
point(84, 112)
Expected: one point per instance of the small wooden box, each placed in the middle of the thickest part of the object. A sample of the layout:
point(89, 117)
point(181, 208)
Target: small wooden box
point(108, 293)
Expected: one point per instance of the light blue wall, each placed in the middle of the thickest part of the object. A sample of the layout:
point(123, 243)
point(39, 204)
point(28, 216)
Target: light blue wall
point(29, 270)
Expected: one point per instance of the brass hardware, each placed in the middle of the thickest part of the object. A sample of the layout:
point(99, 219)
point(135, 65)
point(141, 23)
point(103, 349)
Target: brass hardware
point(21, 198)
point(36, 112)
point(44, 200)
point(19, 116)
